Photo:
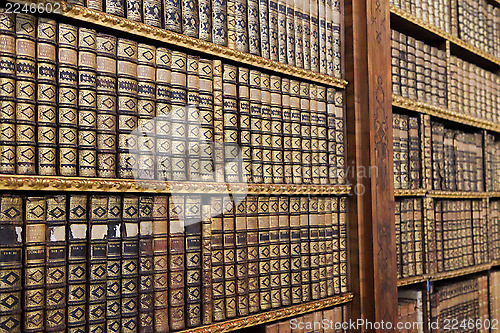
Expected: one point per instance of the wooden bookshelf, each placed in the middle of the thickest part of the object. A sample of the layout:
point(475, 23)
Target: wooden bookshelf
point(120, 24)
point(460, 272)
point(410, 193)
point(412, 280)
point(457, 195)
point(271, 316)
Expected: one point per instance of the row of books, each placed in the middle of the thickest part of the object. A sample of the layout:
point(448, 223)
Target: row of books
point(302, 33)
point(436, 13)
point(495, 296)
point(474, 91)
point(463, 302)
point(460, 235)
point(494, 234)
point(410, 237)
point(478, 23)
point(457, 159)
point(76, 102)
point(492, 162)
point(418, 70)
point(407, 152)
point(326, 321)
point(87, 263)
point(410, 311)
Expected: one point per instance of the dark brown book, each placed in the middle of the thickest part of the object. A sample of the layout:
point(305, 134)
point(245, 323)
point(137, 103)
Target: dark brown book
point(305, 249)
point(418, 236)
point(193, 119)
point(323, 144)
point(177, 267)
point(295, 250)
point(256, 127)
point(264, 253)
point(274, 250)
point(193, 227)
point(218, 117)
point(314, 246)
point(277, 120)
point(241, 257)
point(267, 145)
point(343, 223)
point(206, 119)
point(305, 132)
point(146, 262)
point(229, 251)
point(230, 124)
point(284, 247)
point(219, 308)
point(296, 135)
point(252, 224)
point(245, 123)
point(323, 289)
point(314, 117)
point(398, 239)
point(206, 262)
point(329, 256)
point(414, 153)
point(396, 147)
point(163, 107)
point(287, 131)
point(336, 245)
point(340, 145)
point(114, 264)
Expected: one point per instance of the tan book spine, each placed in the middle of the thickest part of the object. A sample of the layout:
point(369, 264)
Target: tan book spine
point(252, 224)
point(219, 308)
point(229, 251)
point(305, 244)
point(295, 250)
point(264, 253)
point(284, 249)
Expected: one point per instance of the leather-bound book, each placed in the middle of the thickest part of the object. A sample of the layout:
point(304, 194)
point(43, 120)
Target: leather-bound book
point(331, 135)
point(322, 135)
point(329, 37)
point(193, 138)
point(396, 146)
point(296, 138)
point(282, 36)
point(267, 167)
point(241, 258)
point(299, 31)
point(230, 124)
point(295, 251)
point(34, 264)
point(244, 126)
point(252, 224)
point(231, 24)
point(25, 94)
point(163, 107)
point(8, 94)
point(152, 14)
point(219, 22)
point(274, 250)
point(193, 227)
point(172, 15)
point(219, 308)
point(336, 245)
point(206, 261)
point(87, 106)
point(264, 28)
point(314, 118)
point(305, 244)
point(177, 268)
point(273, 30)
point(397, 218)
point(67, 83)
point(403, 151)
point(414, 153)
point(206, 120)
point(94, 4)
point(306, 33)
point(11, 261)
point(323, 289)
point(340, 143)
point(287, 131)
point(256, 126)
point(97, 275)
point(343, 243)
point(322, 36)
point(205, 20)
point(290, 32)
point(314, 35)
point(284, 248)
point(46, 97)
point(115, 7)
point(114, 264)
point(329, 257)
point(218, 152)
point(134, 10)
point(127, 90)
point(56, 264)
point(264, 253)
point(77, 262)
point(160, 263)
point(229, 251)
point(130, 263)
point(106, 105)
point(305, 130)
point(146, 262)
point(314, 247)
point(276, 131)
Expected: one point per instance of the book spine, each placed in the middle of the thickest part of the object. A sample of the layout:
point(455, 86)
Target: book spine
point(146, 110)
point(94, 4)
point(127, 90)
point(8, 94)
point(206, 262)
point(314, 36)
point(282, 32)
point(253, 27)
point(177, 268)
point(67, 100)
point(77, 262)
point(114, 7)
point(296, 135)
point(418, 236)
point(178, 116)
point(241, 258)
point(290, 33)
point(299, 31)
point(403, 151)
point(161, 263)
point(267, 145)
point(336, 246)
point(244, 123)
point(305, 132)
point(190, 19)
point(306, 33)
point(329, 250)
point(323, 287)
point(314, 116)
point(130, 263)
point(252, 224)
point(314, 247)
point(399, 260)
point(25, 94)
point(219, 306)
point(106, 105)
point(34, 267)
point(284, 249)
point(11, 262)
point(331, 136)
point(151, 12)
point(438, 218)
point(256, 127)
point(305, 249)
point(404, 239)
point(241, 14)
point(340, 144)
point(206, 119)
point(114, 264)
point(193, 229)
point(295, 251)
point(97, 244)
point(231, 24)
point(278, 170)
point(343, 243)
point(264, 28)
point(163, 108)
point(46, 97)
point(146, 261)
point(273, 30)
point(230, 124)
point(323, 143)
point(193, 139)
point(172, 15)
point(274, 247)
point(412, 71)
point(287, 131)
point(329, 37)
point(218, 152)
point(264, 253)
point(337, 42)
point(322, 11)
point(56, 264)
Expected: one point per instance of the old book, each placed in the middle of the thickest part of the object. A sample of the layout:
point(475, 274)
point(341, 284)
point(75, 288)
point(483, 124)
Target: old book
point(193, 139)
point(217, 231)
point(336, 245)
point(343, 243)
point(267, 132)
point(337, 43)
point(252, 224)
point(306, 33)
point(305, 130)
point(331, 136)
point(56, 264)
point(256, 127)
point(163, 107)
point(323, 284)
point(206, 119)
point(193, 227)
point(146, 261)
point(305, 249)
point(176, 250)
point(411, 66)
point(278, 170)
point(115, 7)
point(315, 136)
point(87, 106)
point(264, 28)
point(314, 24)
point(287, 131)
point(11, 261)
point(299, 31)
point(314, 247)
point(230, 124)
point(106, 105)
point(190, 18)
point(274, 250)
point(241, 258)
point(404, 151)
point(329, 37)
point(282, 32)
point(244, 124)
point(160, 259)
point(253, 27)
point(438, 211)
point(94, 4)
point(322, 12)
point(241, 25)
point(290, 32)
point(25, 94)
point(205, 20)
point(296, 134)
point(284, 248)
point(295, 250)
point(134, 10)
point(98, 249)
point(329, 250)
point(218, 151)
point(414, 153)
point(219, 22)
point(399, 263)
point(77, 262)
point(419, 238)
point(264, 253)
point(340, 144)
point(322, 149)
point(206, 262)
point(231, 24)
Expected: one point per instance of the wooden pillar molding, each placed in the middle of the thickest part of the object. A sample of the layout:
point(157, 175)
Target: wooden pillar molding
point(369, 125)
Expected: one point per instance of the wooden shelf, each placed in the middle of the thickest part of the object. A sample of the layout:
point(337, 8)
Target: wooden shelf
point(494, 194)
point(55, 183)
point(444, 35)
point(458, 195)
point(412, 280)
point(443, 113)
point(461, 272)
point(410, 193)
point(271, 316)
point(121, 24)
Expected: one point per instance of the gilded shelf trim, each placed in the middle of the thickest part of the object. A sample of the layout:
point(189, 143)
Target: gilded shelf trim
point(443, 113)
point(494, 194)
point(459, 195)
point(270, 316)
point(54, 183)
point(85, 14)
point(455, 40)
point(412, 280)
point(461, 272)
point(410, 193)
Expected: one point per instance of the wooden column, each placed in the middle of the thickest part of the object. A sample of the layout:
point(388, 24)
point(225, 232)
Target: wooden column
point(369, 125)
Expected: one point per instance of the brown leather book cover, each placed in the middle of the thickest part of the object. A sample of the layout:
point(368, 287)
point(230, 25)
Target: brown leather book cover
point(163, 107)
point(206, 261)
point(305, 132)
point(177, 265)
point(343, 243)
point(256, 127)
point(274, 249)
point(305, 249)
point(193, 215)
point(241, 258)
point(244, 125)
point(114, 264)
point(322, 136)
point(287, 130)
point(296, 135)
point(146, 262)
point(314, 247)
point(264, 253)
point(419, 236)
point(415, 160)
point(314, 118)
point(399, 262)
point(229, 251)
point(295, 250)
point(252, 223)
point(329, 247)
point(323, 289)
point(267, 145)
point(219, 308)
point(193, 118)
point(277, 131)
point(340, 144)
point(284, 247)
point(230, 124)
point(206, 118)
